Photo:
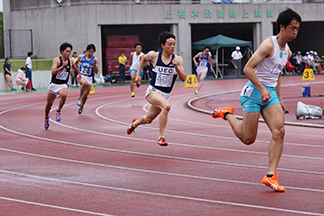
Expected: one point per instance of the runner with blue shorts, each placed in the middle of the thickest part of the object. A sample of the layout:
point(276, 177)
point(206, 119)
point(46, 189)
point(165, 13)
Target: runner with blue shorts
point(262, 94)
point(136, 58)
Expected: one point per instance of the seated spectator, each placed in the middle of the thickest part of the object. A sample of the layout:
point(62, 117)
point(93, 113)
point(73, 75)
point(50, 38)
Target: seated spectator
point(299, 62)
point(317, 61)
point(310, 62)
point(290, 67)
point(7, 73)
point(22, 80)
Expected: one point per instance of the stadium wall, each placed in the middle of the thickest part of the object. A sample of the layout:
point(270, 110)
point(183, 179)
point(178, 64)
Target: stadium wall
point(80, 24)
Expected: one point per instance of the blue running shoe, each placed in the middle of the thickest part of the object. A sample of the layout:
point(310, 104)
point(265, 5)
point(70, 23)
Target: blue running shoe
point(58, 115)
point(80, 110)
point(46, 124)
point(79, 102)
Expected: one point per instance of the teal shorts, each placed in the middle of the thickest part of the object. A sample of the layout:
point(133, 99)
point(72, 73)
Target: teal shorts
point(251, 99)
point(133, 70)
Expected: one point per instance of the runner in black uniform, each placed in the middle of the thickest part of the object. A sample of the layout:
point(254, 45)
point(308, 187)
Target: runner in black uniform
point(166, 68)
point(61, 69)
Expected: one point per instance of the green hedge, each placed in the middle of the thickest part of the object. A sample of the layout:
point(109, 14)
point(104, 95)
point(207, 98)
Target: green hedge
point(37, 65)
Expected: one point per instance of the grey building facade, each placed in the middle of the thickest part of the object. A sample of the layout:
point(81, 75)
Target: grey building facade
point(81, 22)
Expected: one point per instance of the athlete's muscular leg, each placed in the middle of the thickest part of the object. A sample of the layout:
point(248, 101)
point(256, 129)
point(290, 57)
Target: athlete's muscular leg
point(86, 91)
point(247, 129)
point(274, 117)
point(201, 78)
point(49, 103)
point(133, 74)
point(158, 106)
point(63, 94)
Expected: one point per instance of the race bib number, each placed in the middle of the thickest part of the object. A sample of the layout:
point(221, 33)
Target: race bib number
point(163, 80)
point(247, 91)
point(202, 64)
point(86, 71)
point(62, 75)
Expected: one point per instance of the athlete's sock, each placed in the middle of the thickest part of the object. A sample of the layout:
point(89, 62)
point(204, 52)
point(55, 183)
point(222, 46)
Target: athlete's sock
point(226, 115)
point(161, 137)
point(269, 175)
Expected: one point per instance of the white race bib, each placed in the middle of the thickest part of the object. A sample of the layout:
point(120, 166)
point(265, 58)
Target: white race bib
point(247, 91)
point(86, 71)
point(163, 80)
point(202, 64)
point(62, 75)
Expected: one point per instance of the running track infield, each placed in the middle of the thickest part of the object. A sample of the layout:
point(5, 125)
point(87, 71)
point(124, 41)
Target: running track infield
point(87, 164)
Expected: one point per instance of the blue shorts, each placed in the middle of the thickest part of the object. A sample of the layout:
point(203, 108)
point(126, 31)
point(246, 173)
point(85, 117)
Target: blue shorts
point(133, 70)
point(251, 99)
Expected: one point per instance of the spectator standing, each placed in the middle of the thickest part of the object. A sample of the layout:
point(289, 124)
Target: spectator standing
point(22, 80)
point(28, 66)
point(7, 73)
point(122, 59)
point(236, 60)
point(148, 69)
point(75, 73)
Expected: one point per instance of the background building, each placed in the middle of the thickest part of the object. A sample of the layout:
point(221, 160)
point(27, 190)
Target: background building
point(44, 24)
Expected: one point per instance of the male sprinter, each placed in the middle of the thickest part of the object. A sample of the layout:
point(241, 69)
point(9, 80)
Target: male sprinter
point(61, 69)
point(166, 68)
point(203, 59)
point(262, 93)
point(135, 57)
point(89, 65)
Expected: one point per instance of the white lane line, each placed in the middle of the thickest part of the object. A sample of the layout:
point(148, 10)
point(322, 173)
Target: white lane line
point(186, 145)
point(52, 206)
point(177, 196)
point(156, 155)
point(189, 104)
point(146, 171)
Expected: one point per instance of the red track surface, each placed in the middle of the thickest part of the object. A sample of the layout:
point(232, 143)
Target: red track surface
point(87, 165)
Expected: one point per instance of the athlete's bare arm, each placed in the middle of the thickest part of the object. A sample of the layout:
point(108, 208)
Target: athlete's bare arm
point(178, 64)
point(210, 63)
point(265, 50)
point(195, 57)
point(96, 65)
point(56, 63)
point(130, 59)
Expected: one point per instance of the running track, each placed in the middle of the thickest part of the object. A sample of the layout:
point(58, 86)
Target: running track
point(87, 165)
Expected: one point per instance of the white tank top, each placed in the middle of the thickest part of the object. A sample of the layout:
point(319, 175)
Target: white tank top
point(270, 68)
point(136, 61)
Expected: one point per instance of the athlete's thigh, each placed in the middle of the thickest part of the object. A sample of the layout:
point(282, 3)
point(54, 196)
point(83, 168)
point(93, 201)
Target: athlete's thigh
point(250, 123)
point(133, 74)
point(63, 91)
point(83, 81)
point(87, 89)
point(274, 116)
point(157, 100)
point(50, 98)
point(203, 75)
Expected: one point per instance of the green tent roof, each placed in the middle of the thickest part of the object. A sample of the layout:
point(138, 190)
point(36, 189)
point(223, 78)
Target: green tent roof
point(220, 41)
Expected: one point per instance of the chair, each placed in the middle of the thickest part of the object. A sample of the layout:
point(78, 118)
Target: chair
point(19, 86)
